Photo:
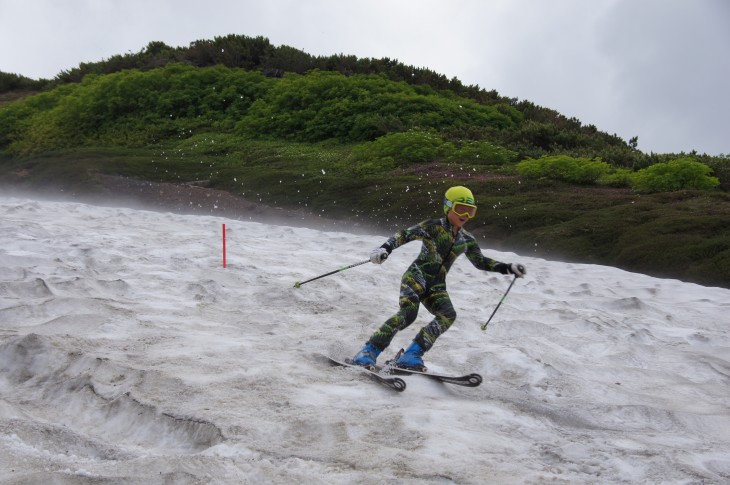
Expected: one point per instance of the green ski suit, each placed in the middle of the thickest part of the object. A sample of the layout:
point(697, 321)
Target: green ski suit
point(425, 279)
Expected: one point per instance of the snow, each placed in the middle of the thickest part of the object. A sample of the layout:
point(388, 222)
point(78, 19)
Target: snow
point(128, 354)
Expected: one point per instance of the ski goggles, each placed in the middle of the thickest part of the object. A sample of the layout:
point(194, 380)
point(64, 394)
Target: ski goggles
point(462, 209)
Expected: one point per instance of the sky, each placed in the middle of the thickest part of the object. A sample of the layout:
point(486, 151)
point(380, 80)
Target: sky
point(652, 69)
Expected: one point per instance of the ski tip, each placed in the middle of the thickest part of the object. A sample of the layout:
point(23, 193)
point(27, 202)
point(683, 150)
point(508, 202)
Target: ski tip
point(399, 384)
point(475, 380)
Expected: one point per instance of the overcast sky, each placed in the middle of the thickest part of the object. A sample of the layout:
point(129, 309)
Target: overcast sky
point(656, 69)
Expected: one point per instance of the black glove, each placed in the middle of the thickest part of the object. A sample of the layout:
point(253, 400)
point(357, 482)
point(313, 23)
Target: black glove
point(511, 268)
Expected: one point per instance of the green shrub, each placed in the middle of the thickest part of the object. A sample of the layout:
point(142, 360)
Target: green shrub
point(720, 166)
point(565, 168)
point(131, 108)
point(408, 147)
point(326, 105)
point(483, 153)
point(680, 174)
point(620, 177)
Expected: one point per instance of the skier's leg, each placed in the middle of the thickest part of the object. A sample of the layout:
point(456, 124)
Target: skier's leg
point(409, 299)
point(439, 304)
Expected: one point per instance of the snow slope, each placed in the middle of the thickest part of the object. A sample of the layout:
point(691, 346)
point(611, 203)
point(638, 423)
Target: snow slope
point(128, 354)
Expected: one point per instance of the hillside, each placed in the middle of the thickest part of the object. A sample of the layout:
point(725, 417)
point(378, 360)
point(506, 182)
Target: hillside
point(372, 141)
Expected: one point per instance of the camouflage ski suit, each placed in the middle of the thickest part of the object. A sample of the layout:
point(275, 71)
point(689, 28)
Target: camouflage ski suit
point(425, 279)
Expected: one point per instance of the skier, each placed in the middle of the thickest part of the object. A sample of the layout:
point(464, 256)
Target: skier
point(424, 282)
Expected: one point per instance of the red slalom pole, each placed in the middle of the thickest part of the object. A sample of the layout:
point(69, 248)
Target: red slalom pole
point(224, 245)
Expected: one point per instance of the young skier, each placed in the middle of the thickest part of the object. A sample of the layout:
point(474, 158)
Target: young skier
point(424, 282)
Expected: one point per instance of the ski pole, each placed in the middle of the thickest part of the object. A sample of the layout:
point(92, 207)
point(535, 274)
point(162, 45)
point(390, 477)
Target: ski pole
point(484, 327)
point(300, 283)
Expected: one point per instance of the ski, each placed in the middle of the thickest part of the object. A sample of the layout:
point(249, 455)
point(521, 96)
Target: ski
point(468, 380)
point(394, 383)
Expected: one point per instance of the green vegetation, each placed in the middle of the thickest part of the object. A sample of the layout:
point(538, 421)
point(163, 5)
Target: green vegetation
point(564, 167)
point(681, 174)
point(372, 140)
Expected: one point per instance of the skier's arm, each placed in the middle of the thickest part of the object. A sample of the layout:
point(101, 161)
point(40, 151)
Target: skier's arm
point(380, 254)
point(474, 254)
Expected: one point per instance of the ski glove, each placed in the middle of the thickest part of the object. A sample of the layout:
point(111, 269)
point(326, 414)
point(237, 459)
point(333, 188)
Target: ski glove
point(511, 268)
point(378, 255)
point(517, 270)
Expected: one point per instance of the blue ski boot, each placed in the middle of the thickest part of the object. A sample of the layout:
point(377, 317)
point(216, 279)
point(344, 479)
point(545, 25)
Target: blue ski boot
point(412, 358)
point(367, 356)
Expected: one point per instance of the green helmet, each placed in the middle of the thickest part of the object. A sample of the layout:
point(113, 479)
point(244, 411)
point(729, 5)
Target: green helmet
point(458, 194)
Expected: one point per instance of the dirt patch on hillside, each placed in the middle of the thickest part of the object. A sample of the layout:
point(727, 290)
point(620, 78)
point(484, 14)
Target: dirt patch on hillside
point(196, 198)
